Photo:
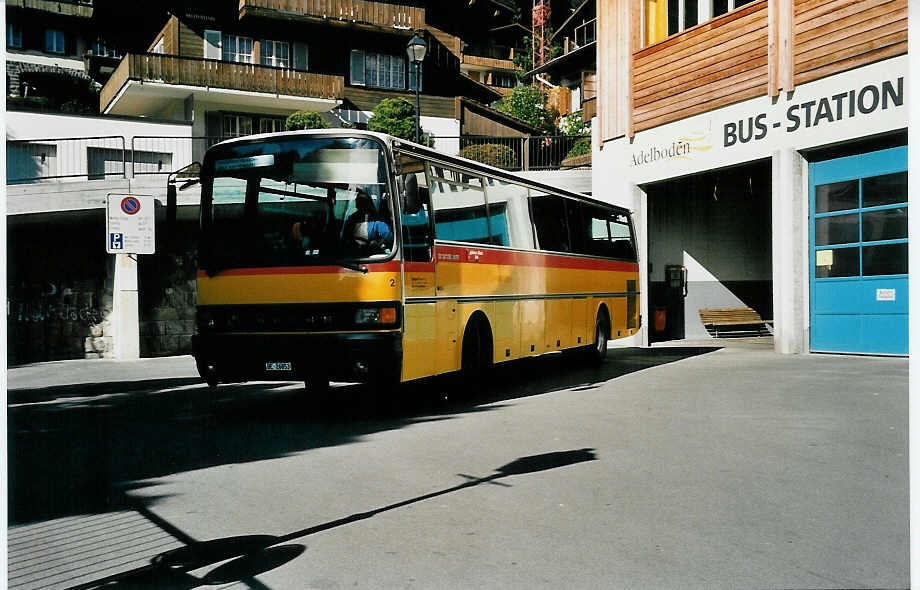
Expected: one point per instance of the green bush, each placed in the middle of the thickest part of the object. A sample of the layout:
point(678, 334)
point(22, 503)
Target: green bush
point(396, 116)
point(529, 105)
point(581, 147)
point(305, 120)
point(493, 154)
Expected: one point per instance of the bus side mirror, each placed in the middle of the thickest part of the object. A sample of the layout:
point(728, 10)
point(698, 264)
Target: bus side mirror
point(171, 206)
point(411, 203)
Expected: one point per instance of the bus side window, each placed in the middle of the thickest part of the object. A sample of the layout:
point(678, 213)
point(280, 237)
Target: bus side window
point(549, 221)
point(623, 245)
point(459, 205)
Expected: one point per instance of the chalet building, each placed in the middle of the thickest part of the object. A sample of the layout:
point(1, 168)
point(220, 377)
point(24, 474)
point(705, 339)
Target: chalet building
point(485, 36)
point(54, 58)
point(243, 70)
point(763, 146)
point(573, 72)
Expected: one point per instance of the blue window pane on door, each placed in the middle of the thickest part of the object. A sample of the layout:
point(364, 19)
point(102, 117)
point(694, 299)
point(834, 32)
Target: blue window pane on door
point(859, 290)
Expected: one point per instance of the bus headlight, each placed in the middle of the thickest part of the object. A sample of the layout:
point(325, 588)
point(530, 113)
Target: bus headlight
point(375, 315)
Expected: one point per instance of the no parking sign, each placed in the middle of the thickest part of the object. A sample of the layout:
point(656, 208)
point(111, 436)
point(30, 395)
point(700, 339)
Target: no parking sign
point(130, 223)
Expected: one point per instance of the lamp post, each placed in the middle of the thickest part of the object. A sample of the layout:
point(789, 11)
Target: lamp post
point(416, 51)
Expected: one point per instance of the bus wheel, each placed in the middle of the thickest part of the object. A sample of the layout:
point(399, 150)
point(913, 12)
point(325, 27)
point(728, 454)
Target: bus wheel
point(597, 352)
point(476, 353)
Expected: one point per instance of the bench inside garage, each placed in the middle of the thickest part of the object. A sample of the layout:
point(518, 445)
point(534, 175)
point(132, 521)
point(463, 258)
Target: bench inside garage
point(734, 322)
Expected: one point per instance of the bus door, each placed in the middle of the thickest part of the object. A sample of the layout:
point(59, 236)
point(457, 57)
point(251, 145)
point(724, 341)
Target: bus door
point(419, 284)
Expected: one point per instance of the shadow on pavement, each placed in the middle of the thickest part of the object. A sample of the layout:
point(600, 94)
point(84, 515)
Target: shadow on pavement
point(78, 449)
point(251, 555)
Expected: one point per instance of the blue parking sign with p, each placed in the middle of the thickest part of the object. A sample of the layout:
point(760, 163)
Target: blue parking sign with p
point(116, 241)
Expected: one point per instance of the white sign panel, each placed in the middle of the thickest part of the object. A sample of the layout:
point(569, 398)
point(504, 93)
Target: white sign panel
point(129, 225)
point(884, 294)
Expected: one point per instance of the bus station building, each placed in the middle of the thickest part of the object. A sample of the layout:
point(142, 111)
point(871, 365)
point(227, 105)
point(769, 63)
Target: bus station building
point(763, 152)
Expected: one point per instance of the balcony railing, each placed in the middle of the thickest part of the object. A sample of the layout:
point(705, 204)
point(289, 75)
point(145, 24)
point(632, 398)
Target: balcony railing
point(382, 14)
point(78, 8)
point(189, 71)
point(497, 63)
point(118, 157)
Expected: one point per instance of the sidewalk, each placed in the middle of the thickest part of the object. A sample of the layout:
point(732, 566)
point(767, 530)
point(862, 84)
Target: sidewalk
point(81, 372)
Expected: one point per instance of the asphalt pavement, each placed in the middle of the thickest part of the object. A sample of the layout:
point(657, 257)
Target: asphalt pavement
point(679, 466)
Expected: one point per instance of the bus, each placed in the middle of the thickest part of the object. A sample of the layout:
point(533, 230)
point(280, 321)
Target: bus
point(354, 256)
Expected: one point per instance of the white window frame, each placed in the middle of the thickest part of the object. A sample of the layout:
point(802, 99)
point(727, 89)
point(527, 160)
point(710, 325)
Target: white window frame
point(13, 36)
point(229, 120)
point(704, 12)
point(274, 60)
point(233, 48)
point(158, 48)
point(395, 69)
point(54, 38)
point(271, 125)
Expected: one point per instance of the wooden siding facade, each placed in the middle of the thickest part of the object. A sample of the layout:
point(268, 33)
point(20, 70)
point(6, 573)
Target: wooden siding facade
point(711, 65)
point(761, 48)
point(363, 12)
point(171, 69)
point(836, 35)
point(432, 106)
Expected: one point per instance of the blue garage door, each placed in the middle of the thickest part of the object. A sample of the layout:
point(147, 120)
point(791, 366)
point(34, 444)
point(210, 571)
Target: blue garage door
point(858, 245)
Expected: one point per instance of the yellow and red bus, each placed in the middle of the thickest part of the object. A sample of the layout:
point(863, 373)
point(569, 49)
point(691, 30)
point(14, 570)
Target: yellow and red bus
point(353, 256)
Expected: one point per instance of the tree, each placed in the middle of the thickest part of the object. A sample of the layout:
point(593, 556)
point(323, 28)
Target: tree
point(396, 116)
point(528, 104)
point(305, 120)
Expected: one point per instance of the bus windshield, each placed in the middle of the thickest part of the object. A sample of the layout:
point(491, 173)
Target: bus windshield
point(296, 201)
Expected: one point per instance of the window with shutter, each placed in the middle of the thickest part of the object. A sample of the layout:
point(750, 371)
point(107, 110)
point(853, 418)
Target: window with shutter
point(357, 67)
point(301, 61)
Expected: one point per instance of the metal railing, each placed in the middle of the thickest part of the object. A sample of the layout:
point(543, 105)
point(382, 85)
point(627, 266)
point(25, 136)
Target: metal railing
point(93, 158)
point(148, 152)
point(100, 158)
point(531, 152)
point(114, 156)
point(585, 33)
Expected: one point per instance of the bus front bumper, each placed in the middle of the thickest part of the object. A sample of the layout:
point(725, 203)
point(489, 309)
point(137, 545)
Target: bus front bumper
point(355, 357)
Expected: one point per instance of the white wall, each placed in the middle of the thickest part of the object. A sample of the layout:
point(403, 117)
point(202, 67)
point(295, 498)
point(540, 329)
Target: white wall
point(26, 125)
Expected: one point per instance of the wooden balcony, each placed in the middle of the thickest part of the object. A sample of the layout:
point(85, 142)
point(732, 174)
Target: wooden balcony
point(400, 15)
point(489, 62)
point(81, 9)
point(208, 73)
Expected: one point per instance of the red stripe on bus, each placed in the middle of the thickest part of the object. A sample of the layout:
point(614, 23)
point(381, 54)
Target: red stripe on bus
point(420, 267)
point(392, 266)
point(486, 255)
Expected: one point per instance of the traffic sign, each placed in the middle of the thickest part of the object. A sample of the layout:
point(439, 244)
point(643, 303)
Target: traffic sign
point(130, 224)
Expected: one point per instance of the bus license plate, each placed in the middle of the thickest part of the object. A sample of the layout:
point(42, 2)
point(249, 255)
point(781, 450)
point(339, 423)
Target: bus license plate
point(277, 366)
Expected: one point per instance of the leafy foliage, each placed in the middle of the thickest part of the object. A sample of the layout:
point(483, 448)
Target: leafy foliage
point(305, 120)
point(582, 147)
point(493, 154)
point(529, 105)
point(396, 116)
point(574, 124)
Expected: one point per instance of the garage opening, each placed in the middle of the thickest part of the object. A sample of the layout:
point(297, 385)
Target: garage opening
point(710, 255)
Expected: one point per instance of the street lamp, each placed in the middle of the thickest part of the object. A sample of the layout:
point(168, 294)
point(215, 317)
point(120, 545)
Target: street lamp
point(416, 51)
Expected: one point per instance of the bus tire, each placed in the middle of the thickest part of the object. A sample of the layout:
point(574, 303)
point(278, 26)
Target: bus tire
point(476, 353)
point(597, 351)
